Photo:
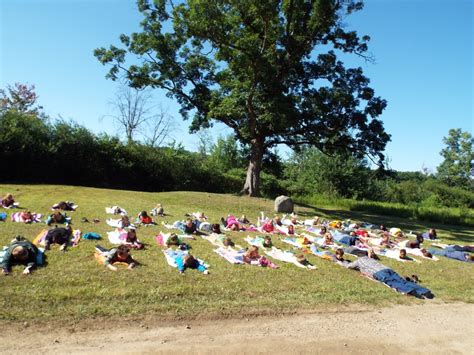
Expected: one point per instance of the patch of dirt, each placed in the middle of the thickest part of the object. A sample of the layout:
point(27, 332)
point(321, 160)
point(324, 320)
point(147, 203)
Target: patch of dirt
point(428, 328)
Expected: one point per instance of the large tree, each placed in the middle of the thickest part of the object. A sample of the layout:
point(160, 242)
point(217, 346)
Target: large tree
point(267, 69)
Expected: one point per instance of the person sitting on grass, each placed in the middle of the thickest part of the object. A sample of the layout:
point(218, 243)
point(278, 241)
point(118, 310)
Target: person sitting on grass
point(59, 236)
point(187, 261)
point(158, 210)
point(8, 201)
point(121, 254)
point(20, 252)
point(379, 272)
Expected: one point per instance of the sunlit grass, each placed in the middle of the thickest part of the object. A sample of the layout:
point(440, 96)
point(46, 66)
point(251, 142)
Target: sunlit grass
point(73, 285)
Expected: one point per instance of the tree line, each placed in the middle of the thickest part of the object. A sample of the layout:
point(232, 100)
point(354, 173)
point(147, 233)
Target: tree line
point(37, 150)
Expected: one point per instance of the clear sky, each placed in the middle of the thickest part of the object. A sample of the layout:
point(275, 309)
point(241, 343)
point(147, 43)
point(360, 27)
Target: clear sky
point(423, 51)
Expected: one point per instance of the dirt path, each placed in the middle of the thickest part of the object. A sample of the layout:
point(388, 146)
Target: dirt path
point(428, 328)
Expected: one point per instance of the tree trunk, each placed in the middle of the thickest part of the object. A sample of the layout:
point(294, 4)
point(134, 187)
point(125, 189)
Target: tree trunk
point(252, 181)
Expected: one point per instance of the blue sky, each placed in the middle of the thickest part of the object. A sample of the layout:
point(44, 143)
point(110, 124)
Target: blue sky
point(423, 51)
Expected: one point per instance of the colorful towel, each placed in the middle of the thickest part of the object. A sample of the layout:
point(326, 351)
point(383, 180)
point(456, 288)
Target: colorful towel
point(162, 238)
point(17, 217)
point(299, 242)
point(117, 236)
point(257, 241)
point(287, 257)
point(232, 256)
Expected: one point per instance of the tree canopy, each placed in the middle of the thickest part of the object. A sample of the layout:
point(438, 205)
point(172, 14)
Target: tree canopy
point(458, 156)
point(267, 69)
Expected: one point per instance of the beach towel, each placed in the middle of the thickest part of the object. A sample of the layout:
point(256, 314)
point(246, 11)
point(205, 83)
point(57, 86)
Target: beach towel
point(257, 241)
point(417, 252)
point(161, 238)
point(287, 257)
point(40, 237)
point(16, 217)
point(115, 210)
point(394, 254)
point(117, 236)
point(324, 254)
point(171, 256)
point(15, 205)
point(232, 256)
point(299, 242)
point(65, 206)
point(218, 240)
point(101, 255)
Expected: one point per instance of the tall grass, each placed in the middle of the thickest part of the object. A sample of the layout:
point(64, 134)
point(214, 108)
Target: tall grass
point(445, 215)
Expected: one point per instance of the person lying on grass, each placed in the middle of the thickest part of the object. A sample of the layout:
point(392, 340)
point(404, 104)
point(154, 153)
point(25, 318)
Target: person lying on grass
point(57, 217)
point(187, 261)
point(243, 219)
point(189, 226)
point(412, 244)
point(59, 236)
point(145, 219)
point(26, 217)
point(131, 240)
point(20, 252)
point(119, 255)
point(251, 256)
point(431, 234)
point(65, 206)
point(453, 254)
point(379, 272)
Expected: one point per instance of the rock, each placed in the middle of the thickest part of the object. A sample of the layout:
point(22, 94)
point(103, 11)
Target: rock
point(188, 326)
point(283, 204)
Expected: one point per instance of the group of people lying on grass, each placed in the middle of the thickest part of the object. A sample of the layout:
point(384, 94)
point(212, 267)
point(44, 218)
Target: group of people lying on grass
point(364, 241)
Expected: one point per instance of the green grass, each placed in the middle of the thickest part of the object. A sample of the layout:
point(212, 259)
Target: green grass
point(73, 286)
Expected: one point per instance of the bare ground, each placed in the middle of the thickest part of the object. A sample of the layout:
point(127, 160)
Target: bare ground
point(429, 328)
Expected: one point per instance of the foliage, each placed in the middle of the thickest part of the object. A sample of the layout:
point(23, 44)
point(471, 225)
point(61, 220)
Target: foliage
point(341, 175)
point(252, 66)
point(19, 97)
point(458, 156)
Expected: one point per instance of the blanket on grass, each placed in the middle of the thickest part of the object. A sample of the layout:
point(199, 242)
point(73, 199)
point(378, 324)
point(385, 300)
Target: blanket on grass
point(287, 257)
point(17, 217)
point(116, 210)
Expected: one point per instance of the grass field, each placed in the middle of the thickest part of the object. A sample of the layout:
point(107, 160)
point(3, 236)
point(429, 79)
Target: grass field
point(73, 285)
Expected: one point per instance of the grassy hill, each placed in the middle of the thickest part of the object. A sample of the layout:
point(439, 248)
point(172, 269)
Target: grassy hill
point(74, 286)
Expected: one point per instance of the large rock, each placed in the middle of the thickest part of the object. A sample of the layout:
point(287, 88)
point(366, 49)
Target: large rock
point(284, 204)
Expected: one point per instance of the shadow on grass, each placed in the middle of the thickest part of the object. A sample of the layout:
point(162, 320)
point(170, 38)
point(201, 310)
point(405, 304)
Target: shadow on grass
point(459, 233)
